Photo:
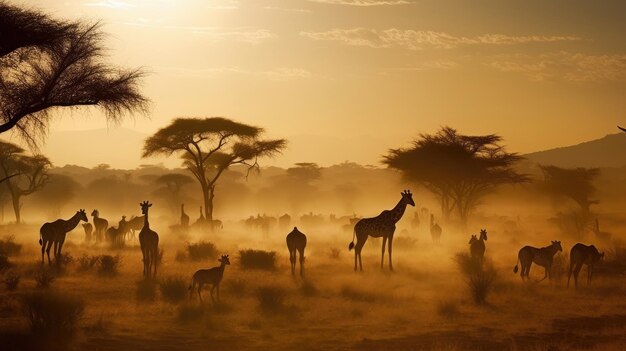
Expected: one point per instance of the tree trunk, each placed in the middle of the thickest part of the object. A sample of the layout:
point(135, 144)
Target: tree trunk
point(209, 216)
point(16, 209)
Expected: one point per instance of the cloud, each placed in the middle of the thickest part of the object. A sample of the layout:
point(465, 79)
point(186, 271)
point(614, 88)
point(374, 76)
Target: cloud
point(364, 3)
point(424, 66)
point(573, 67)
point(277, 74)
point(419, 39)
point(112, 4)
point(286, 9)
point(252, 36)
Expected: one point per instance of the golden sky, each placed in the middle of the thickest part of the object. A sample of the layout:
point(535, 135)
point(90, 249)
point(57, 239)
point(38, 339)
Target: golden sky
point(370, 74)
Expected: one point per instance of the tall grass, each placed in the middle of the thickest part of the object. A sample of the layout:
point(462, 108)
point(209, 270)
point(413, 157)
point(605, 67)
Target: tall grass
point(52, 314)
point(11, 281)
point(44, 278)
point(9, 247)
point(257, 259)
point(173, 288)
point(108, 265)
point(271, 298)
point(480, 278)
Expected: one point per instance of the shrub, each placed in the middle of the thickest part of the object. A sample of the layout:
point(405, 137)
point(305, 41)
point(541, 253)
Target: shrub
point(271, 298)
point(448, 308)
point(355, 294)
point(66, 259)
point(11, 281)
point(173, 289)
point(44, 278)
point(308, 289)
point(8, 246)
point(146, 290)
point(4, 262)
point(190, 312)
point(52, 314)
point(201, 251)
point(87, 263)
point(335, 253)
point(108, 265)
point(258, 259)
point(480, 278)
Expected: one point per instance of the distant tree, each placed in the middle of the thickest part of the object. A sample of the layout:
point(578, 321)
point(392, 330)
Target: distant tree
point(459, 169)
point(46, 64)
point(575, 184)
point(209, 146)
point(57, 193)
point(305, 172)
point(31, 173)
point(173, 183)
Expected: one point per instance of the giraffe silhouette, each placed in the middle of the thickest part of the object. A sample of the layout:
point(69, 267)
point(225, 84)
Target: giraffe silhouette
point(296, 241)
point(383, 225)
point(54, 232)
point(184, 218)
point(149, 242)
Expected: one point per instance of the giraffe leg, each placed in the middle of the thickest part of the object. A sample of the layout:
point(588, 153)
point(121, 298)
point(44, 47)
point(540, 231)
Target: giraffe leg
point(292, 261)
point(389, 248)
point(218, 291)
point(382, 255)
point(576, 271)
point(43, 249)
point(302, 263)
point(589, 274)
point(199, 292)
point(56, 252)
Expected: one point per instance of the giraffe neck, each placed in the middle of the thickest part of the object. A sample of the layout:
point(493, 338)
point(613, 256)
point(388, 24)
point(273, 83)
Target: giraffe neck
point(398, 211)
point(146, 224)
point(71, 223)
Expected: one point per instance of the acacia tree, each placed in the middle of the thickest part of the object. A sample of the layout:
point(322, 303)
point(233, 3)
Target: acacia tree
point(59, 191)
point(209, 146)
point(173, 183)
point(459, 169)
point(30, 173)
point(575, 184)
point(47, 64)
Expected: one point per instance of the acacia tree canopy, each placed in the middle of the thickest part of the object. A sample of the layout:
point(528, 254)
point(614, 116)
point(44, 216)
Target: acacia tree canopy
point(459, 169)
point(575, 184)
point(209, 146)
point(47, 64)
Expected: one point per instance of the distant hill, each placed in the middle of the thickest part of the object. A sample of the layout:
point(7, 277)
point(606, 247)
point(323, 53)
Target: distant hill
point(609, 151)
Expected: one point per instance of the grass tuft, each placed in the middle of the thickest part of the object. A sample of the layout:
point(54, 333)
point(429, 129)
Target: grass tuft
point(52, 314)
point(173, 289)
point(258, 259)
point(202, 250)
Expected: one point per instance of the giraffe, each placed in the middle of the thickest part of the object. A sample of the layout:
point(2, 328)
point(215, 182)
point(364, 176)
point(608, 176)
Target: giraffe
point(100, 225)
point(296, 240)
point(383, 225)
point(184, 218)
point(54, 232)
point(88, 230)
point(435, 230)
point(200, 221)
point(149, 242)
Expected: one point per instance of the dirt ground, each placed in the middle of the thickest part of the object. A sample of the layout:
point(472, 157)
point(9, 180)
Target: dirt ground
point(332, 308)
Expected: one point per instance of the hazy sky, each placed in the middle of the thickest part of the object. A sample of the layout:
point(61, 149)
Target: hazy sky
point(539, 73)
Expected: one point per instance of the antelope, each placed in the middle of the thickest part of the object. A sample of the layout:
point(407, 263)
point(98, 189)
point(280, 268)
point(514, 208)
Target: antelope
point(435, 230)
point(581, 255)
point(477, 246)
point(212, 276)
point(541, 256)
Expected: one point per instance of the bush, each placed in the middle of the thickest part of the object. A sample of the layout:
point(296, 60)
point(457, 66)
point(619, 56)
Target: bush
point(87, 263)
point(44, 278)
point(11, 281)
point(479, 278)
point(201, 251)
point(52, 314)
point(146, 290)
point(258, 259)
point(66, 259)
point(271, 298)
point(5, 263)
point(335, 253)
point(108, 265)
point(448, 309)
point(355, 294)
point(174, 289)
point(8, 246)
point(190, 312)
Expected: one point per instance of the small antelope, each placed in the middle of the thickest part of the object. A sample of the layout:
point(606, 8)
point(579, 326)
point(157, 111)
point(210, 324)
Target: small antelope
point(477, 246)
point(212, 276)
point(581, 255)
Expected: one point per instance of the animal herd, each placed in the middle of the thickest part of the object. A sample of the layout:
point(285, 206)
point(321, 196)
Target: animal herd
point(383, 226)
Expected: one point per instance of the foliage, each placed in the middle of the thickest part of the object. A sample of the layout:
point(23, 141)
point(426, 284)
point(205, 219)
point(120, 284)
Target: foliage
point(209, 146)
point(46, 64)
point(173, 289)
point(52, 314)
point(459, 169)
point(108, 265)
point(257, 259)
point(202, 250)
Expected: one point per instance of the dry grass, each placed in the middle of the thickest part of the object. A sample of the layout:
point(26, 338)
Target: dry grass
point(11, 281)
point(52, 314)
point(108, 266)
point(173, 289)
point(448, 308)
point(9, 247)
point(146, 290)
point(257, 259)
point(44, 277)
point(87, 262)
point(480, 278)
point(271, 298)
